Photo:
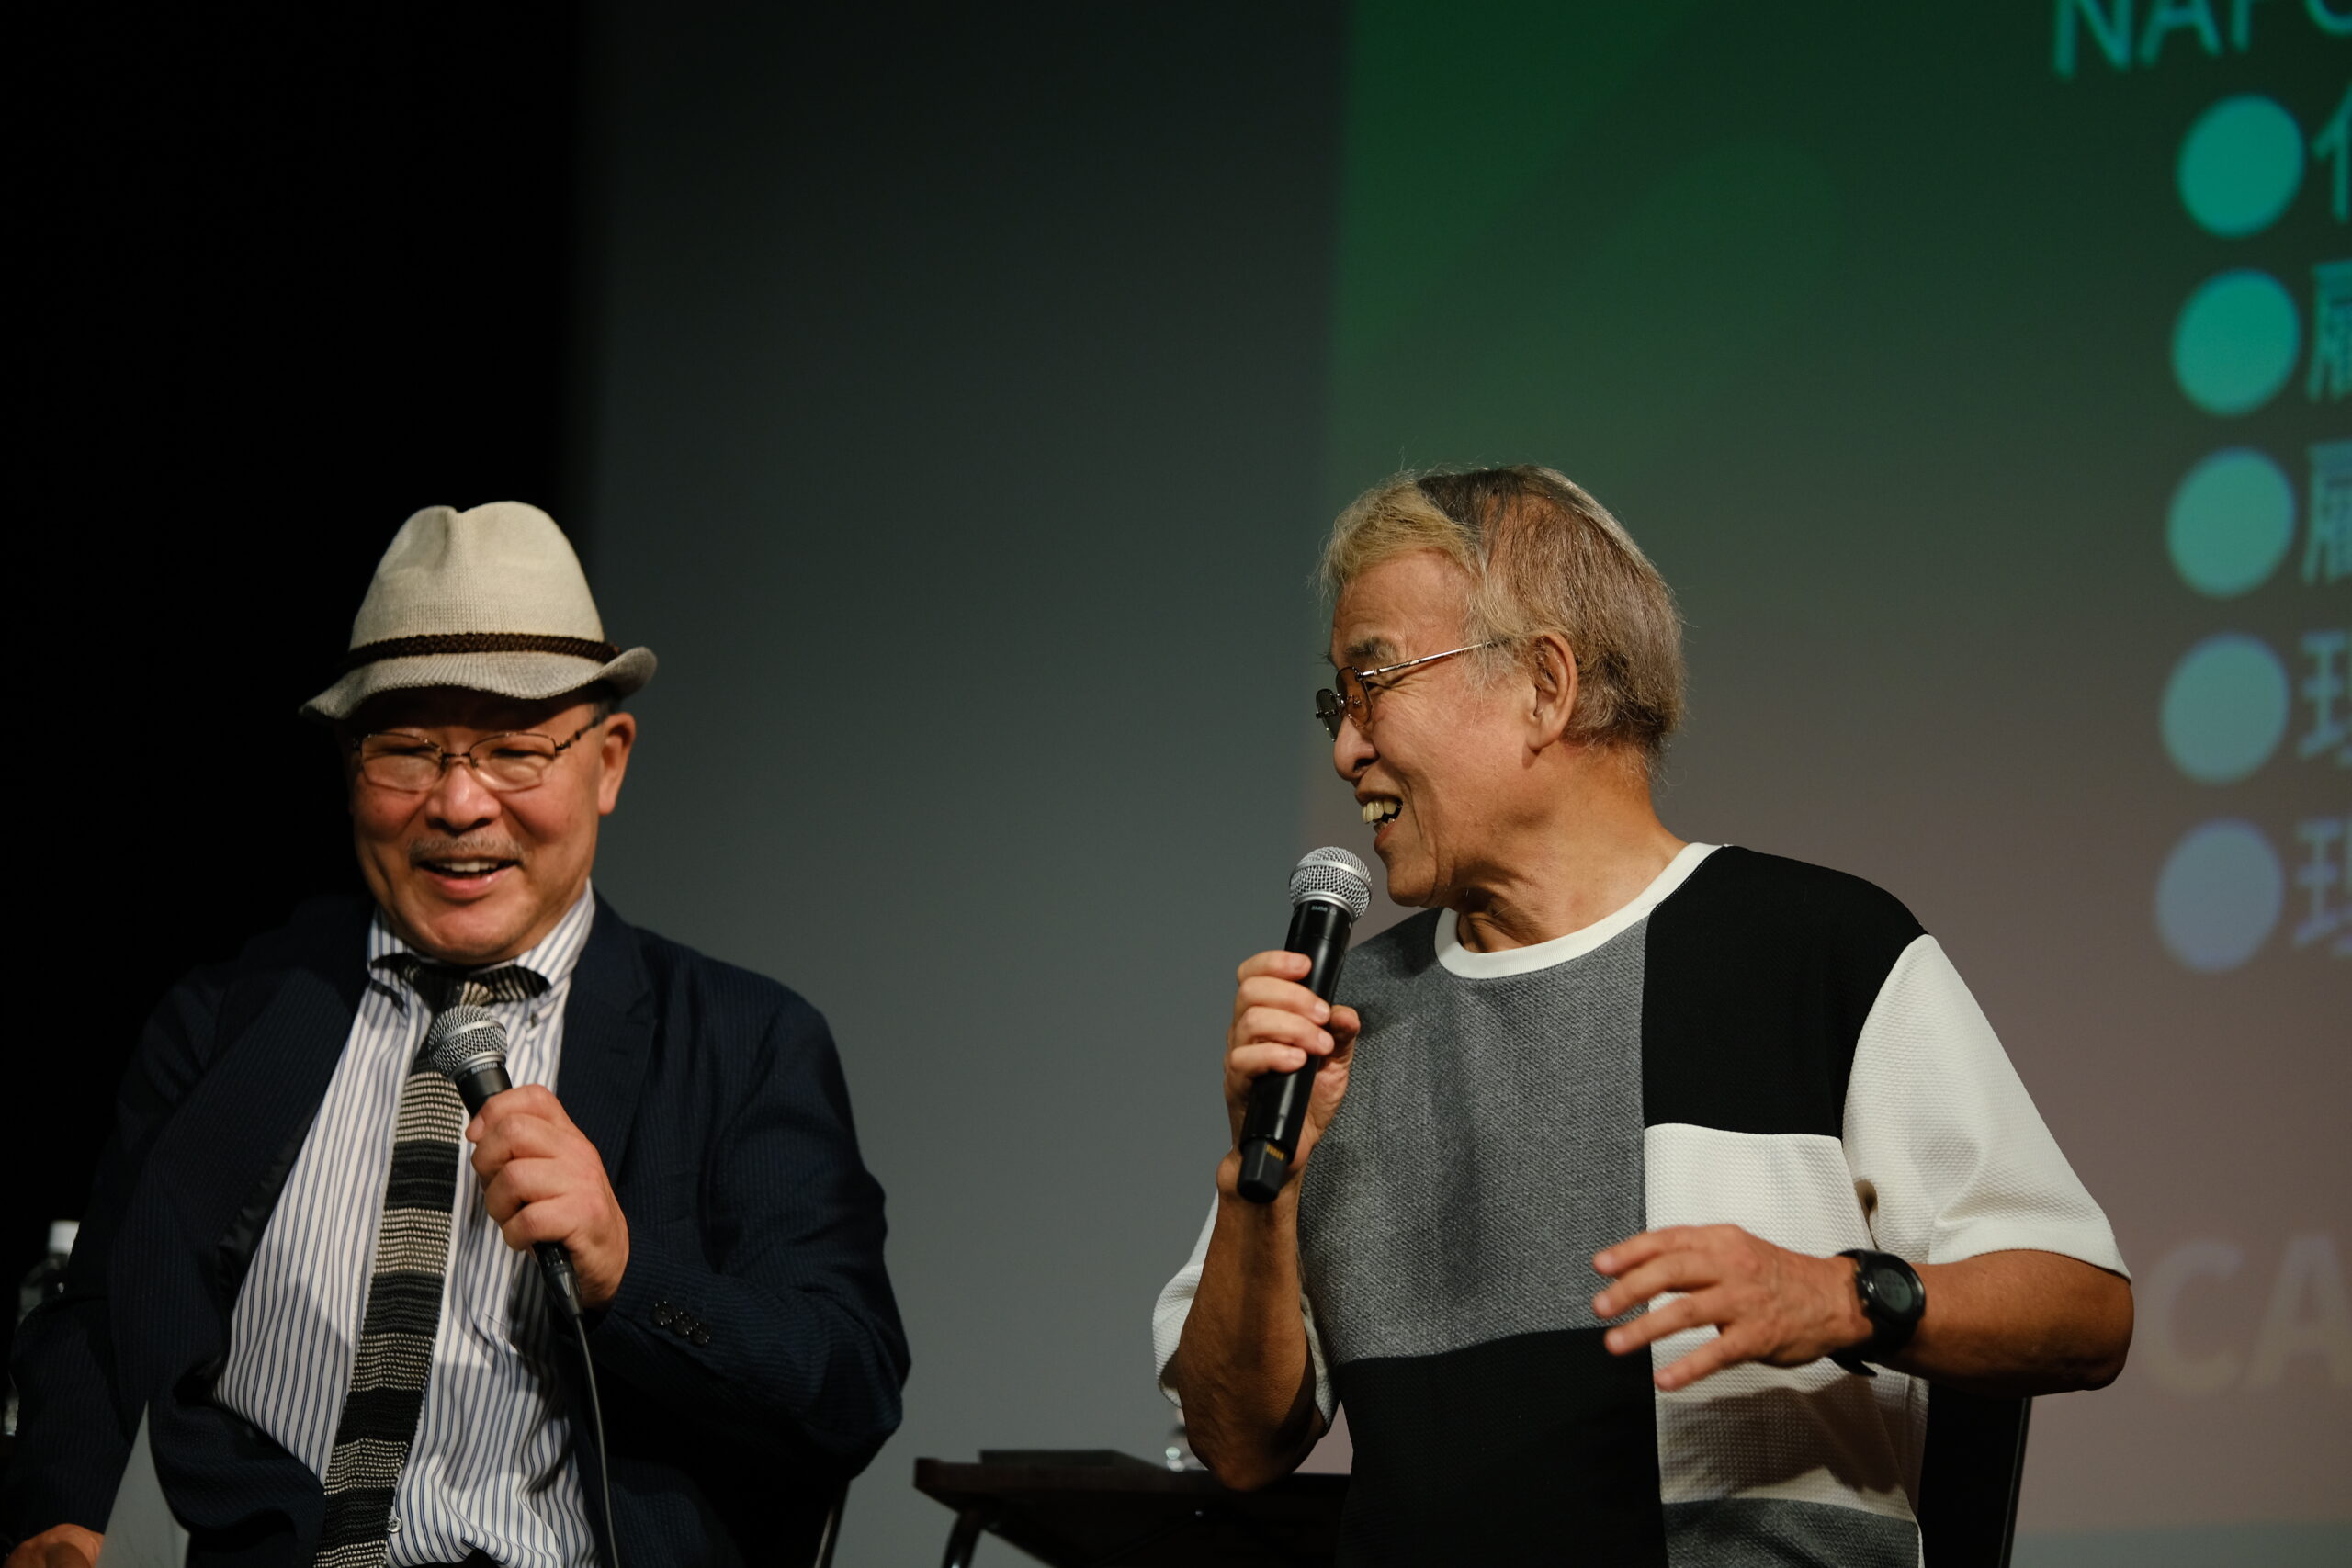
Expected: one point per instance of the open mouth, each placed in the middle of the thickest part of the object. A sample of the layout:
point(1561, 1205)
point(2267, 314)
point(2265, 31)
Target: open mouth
point(1380, 810)
point(464, 871)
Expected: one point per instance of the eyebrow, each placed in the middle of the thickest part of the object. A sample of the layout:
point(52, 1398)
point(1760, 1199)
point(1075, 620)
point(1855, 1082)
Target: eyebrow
point(1365, 653)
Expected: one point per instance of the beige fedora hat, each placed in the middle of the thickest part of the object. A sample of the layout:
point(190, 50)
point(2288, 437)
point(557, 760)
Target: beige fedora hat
point(491, 600)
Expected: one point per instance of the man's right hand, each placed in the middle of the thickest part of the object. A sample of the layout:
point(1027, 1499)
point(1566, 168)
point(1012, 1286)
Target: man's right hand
point(1278, 1025)
point(61, 1546)
point(1244, 1369)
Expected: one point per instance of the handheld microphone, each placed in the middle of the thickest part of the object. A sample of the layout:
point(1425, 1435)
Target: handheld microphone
point(468, 1046)
point(1330, 891)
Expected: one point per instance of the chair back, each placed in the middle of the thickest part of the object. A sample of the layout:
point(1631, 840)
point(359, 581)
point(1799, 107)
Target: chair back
point(1970, 1477)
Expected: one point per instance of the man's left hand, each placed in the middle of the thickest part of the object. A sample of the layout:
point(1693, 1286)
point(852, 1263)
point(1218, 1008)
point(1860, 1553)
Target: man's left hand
point(542, 1180)
point(1766, 1302)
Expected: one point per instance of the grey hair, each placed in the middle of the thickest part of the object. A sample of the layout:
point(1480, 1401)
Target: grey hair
point(1541, 556)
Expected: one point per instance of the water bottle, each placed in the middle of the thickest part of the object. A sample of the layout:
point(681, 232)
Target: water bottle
point(46, 1280)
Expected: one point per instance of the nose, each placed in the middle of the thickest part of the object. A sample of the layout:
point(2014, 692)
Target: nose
point(1351, 751)
point(460, 802)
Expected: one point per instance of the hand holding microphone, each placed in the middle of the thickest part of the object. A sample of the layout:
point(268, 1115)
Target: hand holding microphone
point(543, 1181)
point(1287, 1049)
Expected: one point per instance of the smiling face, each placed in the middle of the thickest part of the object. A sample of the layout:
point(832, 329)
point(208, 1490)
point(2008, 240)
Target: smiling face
point(1442, 765)
point(468, 875)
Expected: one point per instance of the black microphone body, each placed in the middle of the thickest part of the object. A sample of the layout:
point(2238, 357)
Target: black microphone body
point(1277, 1114)
point(481, 1074)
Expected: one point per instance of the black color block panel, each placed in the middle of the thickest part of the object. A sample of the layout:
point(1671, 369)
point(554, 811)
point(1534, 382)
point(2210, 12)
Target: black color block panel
point(1760, 972)
point(1776, 1532)
point(1542, 1447)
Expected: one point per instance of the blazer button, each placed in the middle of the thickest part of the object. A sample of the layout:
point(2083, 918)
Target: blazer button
point(701, 1335)
point(664, 1315)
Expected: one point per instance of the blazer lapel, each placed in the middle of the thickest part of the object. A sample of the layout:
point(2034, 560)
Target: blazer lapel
point(607, 1036)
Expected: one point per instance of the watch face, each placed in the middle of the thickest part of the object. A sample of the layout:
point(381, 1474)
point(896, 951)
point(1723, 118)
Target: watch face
point(1892, 1289)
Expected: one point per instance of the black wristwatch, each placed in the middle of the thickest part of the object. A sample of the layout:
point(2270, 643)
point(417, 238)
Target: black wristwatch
point(1893, 1299)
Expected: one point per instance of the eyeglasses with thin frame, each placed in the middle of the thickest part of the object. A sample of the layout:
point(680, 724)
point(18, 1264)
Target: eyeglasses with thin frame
point(410, 763)
point(1353, 699)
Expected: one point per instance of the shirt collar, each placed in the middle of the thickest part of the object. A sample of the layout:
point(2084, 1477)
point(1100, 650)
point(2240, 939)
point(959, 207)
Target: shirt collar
point(1460, 959)
point(553, 957)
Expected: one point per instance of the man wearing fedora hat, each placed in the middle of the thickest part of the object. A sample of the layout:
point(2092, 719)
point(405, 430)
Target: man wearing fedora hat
point(311, 1271)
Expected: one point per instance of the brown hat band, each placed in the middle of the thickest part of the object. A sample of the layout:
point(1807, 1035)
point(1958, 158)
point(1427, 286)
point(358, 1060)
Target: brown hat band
point(478, 642)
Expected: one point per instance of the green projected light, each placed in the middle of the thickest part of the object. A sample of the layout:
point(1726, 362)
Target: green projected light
point(2232, 521)
point(2241, 164)
point(2225, 709)
point(1497, 302)
point(2236, 341)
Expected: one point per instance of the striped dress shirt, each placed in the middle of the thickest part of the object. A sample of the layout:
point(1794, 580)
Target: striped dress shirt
point(492, 1468)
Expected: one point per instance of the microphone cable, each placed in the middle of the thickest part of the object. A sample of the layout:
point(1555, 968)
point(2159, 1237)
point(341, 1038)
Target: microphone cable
point(567, 1303)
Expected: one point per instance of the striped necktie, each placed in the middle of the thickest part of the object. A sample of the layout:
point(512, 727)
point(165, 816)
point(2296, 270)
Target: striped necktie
point(394, 1355)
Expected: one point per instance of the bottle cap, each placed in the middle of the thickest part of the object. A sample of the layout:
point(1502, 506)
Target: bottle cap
point(61, 1234)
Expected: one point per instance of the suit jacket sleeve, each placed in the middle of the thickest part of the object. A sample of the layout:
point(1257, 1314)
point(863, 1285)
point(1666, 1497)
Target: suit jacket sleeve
point(77, 1422)
point(755, 1302)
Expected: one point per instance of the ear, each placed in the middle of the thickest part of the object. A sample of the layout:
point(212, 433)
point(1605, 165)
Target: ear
point(1551, 666)
point(613, 751)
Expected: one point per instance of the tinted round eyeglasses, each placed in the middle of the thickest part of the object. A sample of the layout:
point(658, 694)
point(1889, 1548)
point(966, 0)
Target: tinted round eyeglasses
point(410, 763)
point(1353, 699)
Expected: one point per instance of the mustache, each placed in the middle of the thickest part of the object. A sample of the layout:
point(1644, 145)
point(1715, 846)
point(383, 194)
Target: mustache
point(423, 850)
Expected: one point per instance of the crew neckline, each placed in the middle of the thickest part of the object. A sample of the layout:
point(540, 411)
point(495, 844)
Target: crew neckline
point(1460, 959)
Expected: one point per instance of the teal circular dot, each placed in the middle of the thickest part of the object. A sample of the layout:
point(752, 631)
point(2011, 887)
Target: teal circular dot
point(2235, 345)
point(2218, 896)
point(2225, 709)
point(2240, 166)
point(2231, 523)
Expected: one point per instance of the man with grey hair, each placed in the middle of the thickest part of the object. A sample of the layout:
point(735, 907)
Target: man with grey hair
point(367, 1326)
point(1628, 1161)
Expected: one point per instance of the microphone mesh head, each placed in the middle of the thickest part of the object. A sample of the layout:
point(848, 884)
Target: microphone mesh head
point(1336, 876)
point(463, 1039)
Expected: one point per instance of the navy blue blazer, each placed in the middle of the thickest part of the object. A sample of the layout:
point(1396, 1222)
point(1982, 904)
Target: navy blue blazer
point(717, 1101)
